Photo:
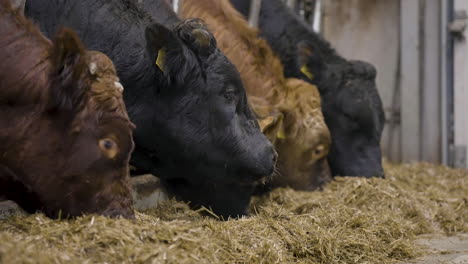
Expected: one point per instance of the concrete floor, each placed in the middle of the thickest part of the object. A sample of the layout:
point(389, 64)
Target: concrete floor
point(443, 250)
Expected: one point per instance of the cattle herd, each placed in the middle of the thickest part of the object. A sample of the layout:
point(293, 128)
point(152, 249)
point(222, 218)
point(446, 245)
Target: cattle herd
point(217, 110)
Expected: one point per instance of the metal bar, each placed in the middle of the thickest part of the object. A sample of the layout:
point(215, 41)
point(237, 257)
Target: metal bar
point(175, 5)
point(393, 151)
point(421, 75)
point(450, 87)
point(430, 82)
point(254, 13)
point(443, 79)
point(410, 81)
point(446, 82)
point(317, 16)
point(459, 53)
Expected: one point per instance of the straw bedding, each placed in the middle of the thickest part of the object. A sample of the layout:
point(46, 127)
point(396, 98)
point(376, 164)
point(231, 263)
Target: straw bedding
point(352, 220)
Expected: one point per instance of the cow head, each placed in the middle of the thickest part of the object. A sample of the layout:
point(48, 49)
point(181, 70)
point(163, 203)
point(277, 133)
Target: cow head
point(207, 131)
point(301, 138)
point(352, 109)
point(79, 152)
point(358, 118)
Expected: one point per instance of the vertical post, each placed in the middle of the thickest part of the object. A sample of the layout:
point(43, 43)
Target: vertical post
point(443, 79)
point(431, 91)
point(317, 16)
point(410, 80)
point(254, 13)
point(459, 57)
point(175, 5)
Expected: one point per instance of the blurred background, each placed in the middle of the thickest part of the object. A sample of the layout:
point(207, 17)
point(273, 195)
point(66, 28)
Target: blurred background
point(418, 48)
point(420, 52)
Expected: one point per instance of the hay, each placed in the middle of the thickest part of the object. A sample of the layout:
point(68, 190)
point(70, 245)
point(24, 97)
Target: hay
point(351, 221)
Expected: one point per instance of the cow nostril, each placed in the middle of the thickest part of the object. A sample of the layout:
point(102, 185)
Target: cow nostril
point(381, 175)
point(117, 212)
point(275, 156)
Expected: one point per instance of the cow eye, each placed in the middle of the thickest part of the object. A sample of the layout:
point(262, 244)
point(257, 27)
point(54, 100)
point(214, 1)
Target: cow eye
point(108, 147)
point(230, 95)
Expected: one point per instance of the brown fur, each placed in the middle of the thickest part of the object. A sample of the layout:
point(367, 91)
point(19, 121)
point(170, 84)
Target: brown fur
point(57, 103)
point(284, 105)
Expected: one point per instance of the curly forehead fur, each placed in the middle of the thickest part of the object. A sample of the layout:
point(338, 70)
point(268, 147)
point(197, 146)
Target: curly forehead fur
point(105, 89)
point(305, 100)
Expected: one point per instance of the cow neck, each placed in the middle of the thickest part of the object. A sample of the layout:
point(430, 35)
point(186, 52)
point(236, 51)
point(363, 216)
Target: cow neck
point(291, 30)
point(24, 64)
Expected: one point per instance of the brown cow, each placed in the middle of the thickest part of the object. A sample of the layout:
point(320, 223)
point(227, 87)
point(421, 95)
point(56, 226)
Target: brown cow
point(65, 137)
point(289, 109)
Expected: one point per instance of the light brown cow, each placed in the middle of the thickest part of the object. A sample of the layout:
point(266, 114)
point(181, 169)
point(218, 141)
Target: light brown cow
point(288, 109)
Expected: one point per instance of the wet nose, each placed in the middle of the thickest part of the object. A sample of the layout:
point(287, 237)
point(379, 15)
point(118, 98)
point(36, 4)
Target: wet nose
point(268, 162)
point(367, 172)
point(381, 174)
point(376, 170)
point(116, 212)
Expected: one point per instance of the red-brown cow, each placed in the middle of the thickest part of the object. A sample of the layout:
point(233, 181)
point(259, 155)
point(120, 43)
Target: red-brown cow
point(65, 137)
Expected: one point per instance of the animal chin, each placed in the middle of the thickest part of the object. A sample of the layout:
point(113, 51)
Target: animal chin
point(253, 180)
point(247, 179)
point(263, 180)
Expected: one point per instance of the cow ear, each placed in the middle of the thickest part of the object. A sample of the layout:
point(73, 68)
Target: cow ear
point(195, 34)
point(67, 56)
point(310, 61)
point(18, 5)
point(290, 122)
point(272, 127)
point(158, 40)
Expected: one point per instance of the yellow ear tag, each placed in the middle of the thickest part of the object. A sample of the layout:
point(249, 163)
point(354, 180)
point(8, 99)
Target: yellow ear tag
point(160, 59)
point(306, 72)
point(281, 134)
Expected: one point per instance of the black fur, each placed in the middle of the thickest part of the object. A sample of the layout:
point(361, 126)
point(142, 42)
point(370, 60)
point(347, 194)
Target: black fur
point(350, 101)
point(194, 127)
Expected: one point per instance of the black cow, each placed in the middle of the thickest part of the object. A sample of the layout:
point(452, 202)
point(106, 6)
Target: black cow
point(194, 128)
point(350, 101)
